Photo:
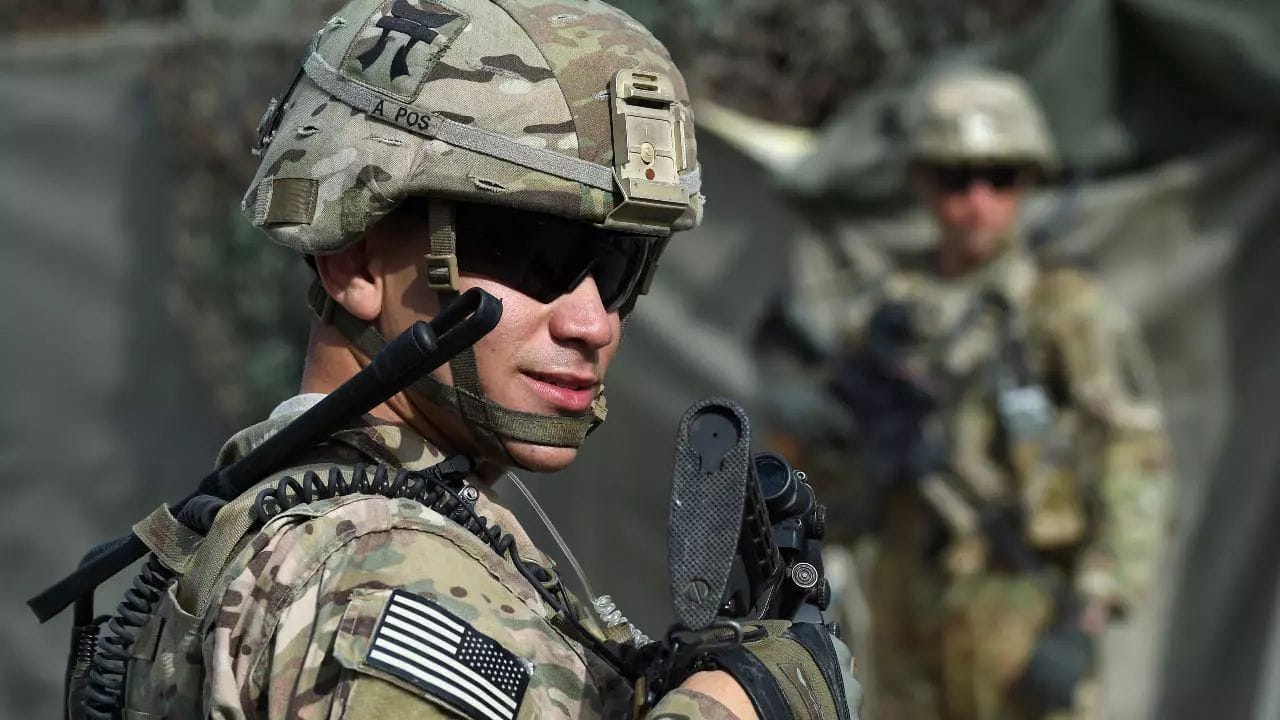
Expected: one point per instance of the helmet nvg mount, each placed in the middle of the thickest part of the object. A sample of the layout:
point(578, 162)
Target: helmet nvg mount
point(567, 108)
point(980, 116)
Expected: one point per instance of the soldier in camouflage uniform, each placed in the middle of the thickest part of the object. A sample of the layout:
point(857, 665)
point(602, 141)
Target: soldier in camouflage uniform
point(542, 151)
point(1032, 398)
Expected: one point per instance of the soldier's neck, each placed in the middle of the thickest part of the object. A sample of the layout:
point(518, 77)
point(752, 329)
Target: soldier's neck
point(955, 259)
point(331, 361)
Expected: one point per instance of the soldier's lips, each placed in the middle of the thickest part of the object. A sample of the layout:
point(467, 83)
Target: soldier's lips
point(569, 392)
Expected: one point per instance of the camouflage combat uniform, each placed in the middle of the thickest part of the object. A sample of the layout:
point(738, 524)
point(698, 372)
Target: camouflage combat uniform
point(952, 623)
point(359, 605)
point(551, 108)
point(951, 627)
point(286, 631)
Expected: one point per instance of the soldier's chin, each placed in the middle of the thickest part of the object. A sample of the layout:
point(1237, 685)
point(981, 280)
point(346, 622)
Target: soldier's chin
point(540, 458)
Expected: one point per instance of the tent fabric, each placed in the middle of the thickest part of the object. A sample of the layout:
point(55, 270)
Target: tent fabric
point(1125, 84)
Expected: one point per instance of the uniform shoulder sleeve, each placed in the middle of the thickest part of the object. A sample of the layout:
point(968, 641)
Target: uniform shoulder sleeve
point(367, 607)
point(1099, 350)
point(682, 704)
point(1110, 378)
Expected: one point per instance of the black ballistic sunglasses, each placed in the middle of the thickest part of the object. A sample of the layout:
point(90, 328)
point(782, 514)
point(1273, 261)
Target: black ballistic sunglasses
point(958, 178)
point(545, 257)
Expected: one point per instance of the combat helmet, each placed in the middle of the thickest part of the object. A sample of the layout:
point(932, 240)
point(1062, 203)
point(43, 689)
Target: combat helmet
point(571, 109)
point(980, 116)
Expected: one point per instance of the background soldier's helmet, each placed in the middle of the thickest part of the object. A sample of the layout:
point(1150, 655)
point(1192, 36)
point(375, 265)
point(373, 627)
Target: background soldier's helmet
point(980, 116)
point(566, 108)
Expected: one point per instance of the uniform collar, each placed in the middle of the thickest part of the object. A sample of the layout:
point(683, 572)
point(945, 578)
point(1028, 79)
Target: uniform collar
point(383, 442)
point(1012, 274)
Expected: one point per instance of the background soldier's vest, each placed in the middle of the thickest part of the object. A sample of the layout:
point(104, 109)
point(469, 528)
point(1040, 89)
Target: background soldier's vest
point(1010, 439)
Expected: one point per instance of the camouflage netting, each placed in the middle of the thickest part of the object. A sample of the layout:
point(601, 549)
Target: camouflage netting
point(1125, 84)
point(35, 16)
point(796, 61)
point(236, 296)
point(236, 293)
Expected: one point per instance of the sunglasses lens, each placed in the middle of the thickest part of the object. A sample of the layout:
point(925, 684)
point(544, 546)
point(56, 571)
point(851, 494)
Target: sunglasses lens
point(1002, 177)
point(953, 178)
point(958, 178)
point(619, 263)
point(545, 257)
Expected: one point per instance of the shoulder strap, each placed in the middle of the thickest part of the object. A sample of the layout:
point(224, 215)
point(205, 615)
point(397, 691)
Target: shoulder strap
point(171, 541)
point(204, 571)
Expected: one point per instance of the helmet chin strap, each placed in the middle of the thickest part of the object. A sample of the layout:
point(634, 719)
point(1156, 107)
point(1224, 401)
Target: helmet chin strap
point(489, 422)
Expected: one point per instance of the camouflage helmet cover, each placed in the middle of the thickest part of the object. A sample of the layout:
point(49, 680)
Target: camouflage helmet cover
point(519, 103)
point(976, 115)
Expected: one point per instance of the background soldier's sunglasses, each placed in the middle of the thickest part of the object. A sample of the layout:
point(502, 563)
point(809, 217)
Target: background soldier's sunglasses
point(958, 178)
point(545, 257)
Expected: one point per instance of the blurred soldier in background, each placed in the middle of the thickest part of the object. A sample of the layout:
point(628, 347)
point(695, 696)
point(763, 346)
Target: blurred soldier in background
point(999, 435)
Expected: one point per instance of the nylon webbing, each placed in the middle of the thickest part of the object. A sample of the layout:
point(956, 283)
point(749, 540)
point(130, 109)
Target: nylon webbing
point(319, 301)
point(455, 133)
point(171, 541)
point(442, 260)
point(504, 148)
point(471, 402)
point(444, 239)
point(551, 430)
point(233, 522)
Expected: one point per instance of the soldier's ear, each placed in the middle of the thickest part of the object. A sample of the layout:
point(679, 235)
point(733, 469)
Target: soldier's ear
point(348, 279)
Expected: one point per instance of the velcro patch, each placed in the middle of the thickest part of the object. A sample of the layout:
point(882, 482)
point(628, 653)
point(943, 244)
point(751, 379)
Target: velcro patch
point(431, 648)
point(399, 44)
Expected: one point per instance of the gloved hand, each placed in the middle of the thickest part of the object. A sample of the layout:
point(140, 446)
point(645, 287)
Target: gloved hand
point(1060, 661)
point(793, 670)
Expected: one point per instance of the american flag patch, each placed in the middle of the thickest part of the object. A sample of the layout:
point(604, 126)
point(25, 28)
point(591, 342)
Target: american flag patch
point(423, 644)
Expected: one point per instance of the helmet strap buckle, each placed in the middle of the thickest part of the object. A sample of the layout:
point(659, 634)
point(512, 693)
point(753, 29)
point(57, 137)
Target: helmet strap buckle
point(442, 272)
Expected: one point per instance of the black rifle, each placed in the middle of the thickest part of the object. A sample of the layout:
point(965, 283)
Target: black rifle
point(417, 351)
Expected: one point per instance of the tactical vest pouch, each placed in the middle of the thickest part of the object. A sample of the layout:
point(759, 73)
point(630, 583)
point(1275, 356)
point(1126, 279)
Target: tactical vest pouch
point(166, 670)
point(1052, 497)
point(1057, 520)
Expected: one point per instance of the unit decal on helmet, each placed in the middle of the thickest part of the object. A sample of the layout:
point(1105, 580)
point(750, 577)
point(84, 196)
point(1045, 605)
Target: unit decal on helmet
point(400, 44)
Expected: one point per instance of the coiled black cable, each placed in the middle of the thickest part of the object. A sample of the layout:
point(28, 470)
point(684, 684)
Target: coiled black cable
point(105, 685)
point(86, 646)
point(102, 693)
point(433, 487)
point(198, 512)
point(438, 488)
